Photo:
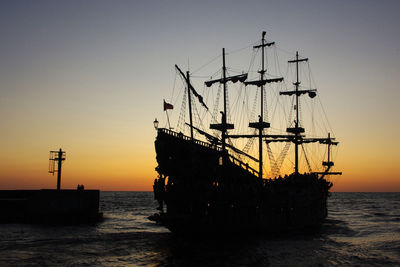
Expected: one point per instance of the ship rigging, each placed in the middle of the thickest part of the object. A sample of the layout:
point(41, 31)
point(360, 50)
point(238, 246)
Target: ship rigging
point(295, 134)
point(209, 181)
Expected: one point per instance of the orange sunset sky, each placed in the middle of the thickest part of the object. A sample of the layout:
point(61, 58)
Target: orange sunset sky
point(90, 77)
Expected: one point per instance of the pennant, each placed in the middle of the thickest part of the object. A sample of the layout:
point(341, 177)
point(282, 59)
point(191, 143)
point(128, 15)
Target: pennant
point(167, 106)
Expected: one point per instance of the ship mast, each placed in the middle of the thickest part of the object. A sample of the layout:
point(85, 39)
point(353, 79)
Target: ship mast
point(190, 104)
point(261, 124)
point(224, 113)
point(295, 134)
point(191, 89)
point(224, 126)
point(297, 130)
point(328, 164)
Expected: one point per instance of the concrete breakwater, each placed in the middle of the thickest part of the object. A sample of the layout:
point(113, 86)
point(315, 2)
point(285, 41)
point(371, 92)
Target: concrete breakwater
point(49, 206)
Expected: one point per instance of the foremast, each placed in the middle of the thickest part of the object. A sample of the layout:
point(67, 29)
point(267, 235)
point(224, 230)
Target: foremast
point(224, 126)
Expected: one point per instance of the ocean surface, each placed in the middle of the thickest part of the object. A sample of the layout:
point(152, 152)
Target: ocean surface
point(362, 229)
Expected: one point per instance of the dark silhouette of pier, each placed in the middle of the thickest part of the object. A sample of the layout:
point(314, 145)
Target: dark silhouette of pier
point(49, 206)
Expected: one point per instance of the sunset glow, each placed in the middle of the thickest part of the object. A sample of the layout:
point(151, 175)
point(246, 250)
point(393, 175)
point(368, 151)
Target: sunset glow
point(90, 77)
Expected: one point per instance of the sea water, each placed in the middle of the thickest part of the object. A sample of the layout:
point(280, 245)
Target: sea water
point(361, 229)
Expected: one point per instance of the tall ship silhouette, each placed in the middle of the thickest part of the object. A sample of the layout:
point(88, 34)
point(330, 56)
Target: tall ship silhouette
point(214, 176)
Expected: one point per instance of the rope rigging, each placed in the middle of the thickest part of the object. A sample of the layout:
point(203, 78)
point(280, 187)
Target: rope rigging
point(306, 158)
point(276, 164)
point(181, 121)
point(244, 107)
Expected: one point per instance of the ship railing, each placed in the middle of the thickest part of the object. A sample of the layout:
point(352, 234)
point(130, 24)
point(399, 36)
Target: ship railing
point(243, 165)
point(187, 138)
point(234, 160)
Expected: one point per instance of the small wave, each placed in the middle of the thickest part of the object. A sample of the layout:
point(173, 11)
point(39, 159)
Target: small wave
point(355, 233)
point(396, 218)
point(337, 228)
point(380, 214)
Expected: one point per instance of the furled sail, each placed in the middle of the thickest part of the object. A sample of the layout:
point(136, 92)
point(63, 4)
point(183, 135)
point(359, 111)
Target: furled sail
point(199, 97)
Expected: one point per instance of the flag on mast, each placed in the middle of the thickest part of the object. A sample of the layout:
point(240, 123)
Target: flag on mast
point(167, 106)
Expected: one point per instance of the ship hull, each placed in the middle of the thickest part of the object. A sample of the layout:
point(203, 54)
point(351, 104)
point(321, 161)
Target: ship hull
point(205, 191)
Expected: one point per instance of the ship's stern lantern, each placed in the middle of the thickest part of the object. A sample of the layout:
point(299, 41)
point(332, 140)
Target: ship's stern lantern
point(155, 123)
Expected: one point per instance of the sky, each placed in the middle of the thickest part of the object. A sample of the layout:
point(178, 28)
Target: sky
point(89, 77)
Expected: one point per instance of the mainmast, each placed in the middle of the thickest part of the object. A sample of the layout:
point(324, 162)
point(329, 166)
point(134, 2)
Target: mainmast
point(297, 129)
point(261, 124)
